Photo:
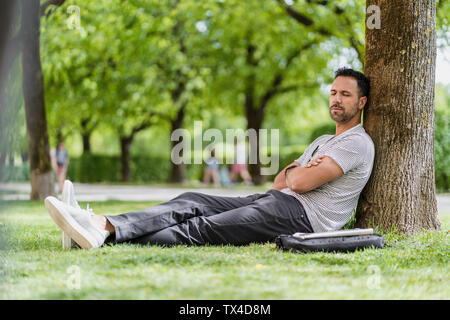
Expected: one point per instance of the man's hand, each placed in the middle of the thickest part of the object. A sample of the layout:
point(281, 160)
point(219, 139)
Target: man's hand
point(314, 162)
point(316, 173)
point(280, 180)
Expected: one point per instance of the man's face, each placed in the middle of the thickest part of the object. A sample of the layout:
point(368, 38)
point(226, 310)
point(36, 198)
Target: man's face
point(344, 99)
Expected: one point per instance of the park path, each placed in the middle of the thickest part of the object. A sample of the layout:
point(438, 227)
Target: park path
point(103, 192)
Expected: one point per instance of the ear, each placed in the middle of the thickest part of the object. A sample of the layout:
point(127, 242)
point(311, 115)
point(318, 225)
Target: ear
point(362, 102)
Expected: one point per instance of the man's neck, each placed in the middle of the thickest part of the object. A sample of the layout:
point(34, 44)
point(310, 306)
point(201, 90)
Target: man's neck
point(342, 127)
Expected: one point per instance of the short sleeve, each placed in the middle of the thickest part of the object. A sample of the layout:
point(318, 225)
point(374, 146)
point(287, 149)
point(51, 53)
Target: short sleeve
point(301, 158)
point(309, 149)
point(348, 153)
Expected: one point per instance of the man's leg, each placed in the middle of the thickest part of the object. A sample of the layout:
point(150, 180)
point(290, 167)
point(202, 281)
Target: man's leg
point(131, 225)
point(259, 221)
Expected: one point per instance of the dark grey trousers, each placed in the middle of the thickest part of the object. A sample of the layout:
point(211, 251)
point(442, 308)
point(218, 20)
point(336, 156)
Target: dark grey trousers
point(197, 218)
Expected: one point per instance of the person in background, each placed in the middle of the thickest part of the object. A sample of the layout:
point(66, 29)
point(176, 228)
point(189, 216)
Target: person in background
point(212, 170)
point(240, 167)
point(224, 175)
point(60, 161)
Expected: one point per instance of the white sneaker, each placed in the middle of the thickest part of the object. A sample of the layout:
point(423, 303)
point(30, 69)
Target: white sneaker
point(77, 223)
point(68, 197)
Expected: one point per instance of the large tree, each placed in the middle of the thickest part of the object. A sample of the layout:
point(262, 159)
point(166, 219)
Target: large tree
point(25, 43)
point(400, 62)
point(41, 177)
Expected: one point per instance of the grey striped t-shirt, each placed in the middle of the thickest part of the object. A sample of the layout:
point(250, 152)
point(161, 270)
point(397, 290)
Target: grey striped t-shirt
point(329, 207)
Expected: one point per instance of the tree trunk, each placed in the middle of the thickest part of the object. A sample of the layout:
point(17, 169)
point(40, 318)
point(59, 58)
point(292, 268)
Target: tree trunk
point(11, 159)
point(178, 171)
point(86, 135)
point(86, 142)
point(253, 114)
point(400, 62)
point(125, 147)
point(33, 92)
point(255, 118)
point(2, 158)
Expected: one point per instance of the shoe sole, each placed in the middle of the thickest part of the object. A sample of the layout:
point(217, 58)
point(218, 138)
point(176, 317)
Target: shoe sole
point(68, 224)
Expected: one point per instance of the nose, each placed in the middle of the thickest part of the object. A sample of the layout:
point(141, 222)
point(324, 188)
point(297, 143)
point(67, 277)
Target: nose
point(336, 99)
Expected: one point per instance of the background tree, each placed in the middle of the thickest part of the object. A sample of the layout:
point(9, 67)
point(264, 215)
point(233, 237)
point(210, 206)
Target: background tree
point(442, 138)
point(33, 92)
point(400, 62)
point(267, 55)
point(179, 52)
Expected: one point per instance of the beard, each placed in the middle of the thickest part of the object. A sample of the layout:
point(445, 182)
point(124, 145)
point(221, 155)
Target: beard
point(343, 116)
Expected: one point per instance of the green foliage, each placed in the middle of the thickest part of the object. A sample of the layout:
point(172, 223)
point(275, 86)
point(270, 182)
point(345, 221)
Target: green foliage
point(98, 168)
point(325, 128)
point(443, 22)
point(127, 58)
point(442, 138)
point(144, 168)
point(442, 150)
point(94, 168)
point(122, 66)
point(150, 169)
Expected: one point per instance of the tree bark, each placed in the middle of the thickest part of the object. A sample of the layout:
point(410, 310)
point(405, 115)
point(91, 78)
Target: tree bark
point(400, 62)
point(33, 91)
point(86, 142)
point(2, 158)
point(178, 171)
point(125, 147)
point(255, 118)
point(86, 135)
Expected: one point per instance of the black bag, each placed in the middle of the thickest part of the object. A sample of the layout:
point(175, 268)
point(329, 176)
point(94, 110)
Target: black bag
point(343, 244)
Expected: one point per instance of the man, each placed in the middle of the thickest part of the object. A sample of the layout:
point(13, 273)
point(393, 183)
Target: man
point(316, 193)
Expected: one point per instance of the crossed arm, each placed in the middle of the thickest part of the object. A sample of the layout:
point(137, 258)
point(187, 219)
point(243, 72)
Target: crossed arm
point(317, 172)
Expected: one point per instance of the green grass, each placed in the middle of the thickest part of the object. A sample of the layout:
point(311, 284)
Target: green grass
point(33, 266)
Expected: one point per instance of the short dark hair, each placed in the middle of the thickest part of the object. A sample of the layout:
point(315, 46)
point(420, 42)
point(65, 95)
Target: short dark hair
point(363, 81)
